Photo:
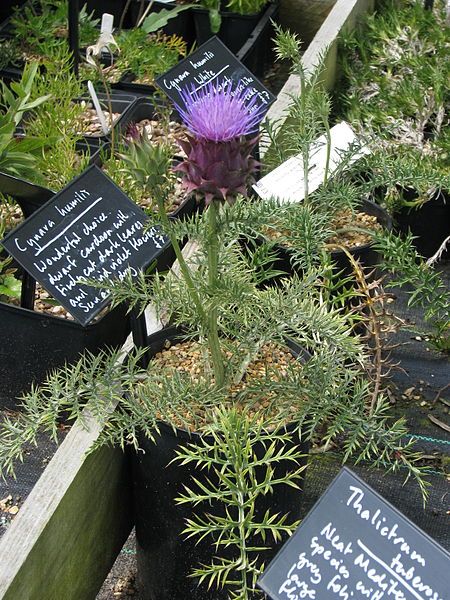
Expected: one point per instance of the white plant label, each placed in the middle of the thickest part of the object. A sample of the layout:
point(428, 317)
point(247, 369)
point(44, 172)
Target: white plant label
point(98, 108)
point(107, 23)
point(287, 183)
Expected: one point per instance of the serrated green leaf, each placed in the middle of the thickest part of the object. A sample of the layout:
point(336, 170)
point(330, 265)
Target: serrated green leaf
point(157, 20)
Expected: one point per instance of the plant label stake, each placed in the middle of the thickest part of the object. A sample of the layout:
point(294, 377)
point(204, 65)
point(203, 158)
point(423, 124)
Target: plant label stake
point(354, 545)
point(90, 230)
point(73, 17)
point(98, 108)
point(213, 61)
point(107, 23)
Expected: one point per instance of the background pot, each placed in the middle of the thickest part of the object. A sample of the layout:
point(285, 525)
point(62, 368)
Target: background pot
point(164, 557)
point(181, 25)
point(365, 254)
point(235, 29)
point(429, 223)
point(120, 103)
point(257, 51)
point(32, 344)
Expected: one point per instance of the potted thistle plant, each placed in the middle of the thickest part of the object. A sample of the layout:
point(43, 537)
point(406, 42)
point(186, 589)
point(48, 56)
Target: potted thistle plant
point(329, 214)
point(229, 398)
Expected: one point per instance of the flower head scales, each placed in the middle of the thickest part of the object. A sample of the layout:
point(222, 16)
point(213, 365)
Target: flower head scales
point(219, 113)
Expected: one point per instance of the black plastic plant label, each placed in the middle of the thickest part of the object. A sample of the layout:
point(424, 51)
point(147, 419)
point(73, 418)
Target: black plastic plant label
point(353, 545)
point(212, 62)
point(89, 230)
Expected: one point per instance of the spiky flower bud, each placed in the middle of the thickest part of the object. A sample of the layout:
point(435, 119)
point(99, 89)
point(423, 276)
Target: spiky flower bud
point(219, 162)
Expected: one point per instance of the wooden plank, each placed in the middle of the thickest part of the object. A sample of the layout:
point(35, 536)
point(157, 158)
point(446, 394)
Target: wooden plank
point(305, 17)
point(71, 527)
point(74, 522)
point(344, 16)
point(67, 535)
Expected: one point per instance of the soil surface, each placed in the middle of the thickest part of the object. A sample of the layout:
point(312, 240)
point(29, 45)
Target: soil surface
point(90, 122)
point(272, 362)
point(351, 230)
point(156, 131)
point(350, 226)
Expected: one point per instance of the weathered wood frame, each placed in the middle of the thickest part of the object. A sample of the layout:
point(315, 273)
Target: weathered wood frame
point(70, 529)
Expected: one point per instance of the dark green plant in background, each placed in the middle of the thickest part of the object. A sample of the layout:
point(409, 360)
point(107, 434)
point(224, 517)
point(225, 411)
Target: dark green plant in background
point(148, 55)
point(58, 121)
point(10, 286)
point(41, 27)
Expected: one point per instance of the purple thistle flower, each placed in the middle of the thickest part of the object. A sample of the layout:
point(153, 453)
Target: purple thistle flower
point(217, 113)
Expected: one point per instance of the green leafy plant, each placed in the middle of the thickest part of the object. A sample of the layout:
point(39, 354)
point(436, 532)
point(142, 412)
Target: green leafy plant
point(242, 7)
point(18, 156)
point(57, 122)
point(10, 286)
point(9, 53)
point(308, 113)
point(157, 20)
point(148, 55)
point(128, 168)
point(236, 484)
point(423, 284)
point(41, 27)
point(393, 90)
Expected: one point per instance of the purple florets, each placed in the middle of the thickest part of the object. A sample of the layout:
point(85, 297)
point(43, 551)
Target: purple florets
point(219, 113)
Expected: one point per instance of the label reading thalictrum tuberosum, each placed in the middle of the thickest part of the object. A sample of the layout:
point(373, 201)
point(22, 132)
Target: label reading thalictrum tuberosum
point(353, 545)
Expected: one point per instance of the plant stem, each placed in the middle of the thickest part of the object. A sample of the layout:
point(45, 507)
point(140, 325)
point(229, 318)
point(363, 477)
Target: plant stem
point(213, 260)
point(122, 16)
point(179, 255)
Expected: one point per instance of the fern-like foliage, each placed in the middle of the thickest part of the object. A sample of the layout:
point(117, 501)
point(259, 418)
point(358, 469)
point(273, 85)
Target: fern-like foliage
point(422, 283)
point(245, 462)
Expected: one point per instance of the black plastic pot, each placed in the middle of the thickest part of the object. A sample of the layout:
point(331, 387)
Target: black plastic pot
point(164, 557)
point(120, 103)
point(182, 24)
point(257, 50)
point(142, 109)
point(429, 223)
point(365, 254)
point(32, 344)
point(128, 83)
point(235, 29)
